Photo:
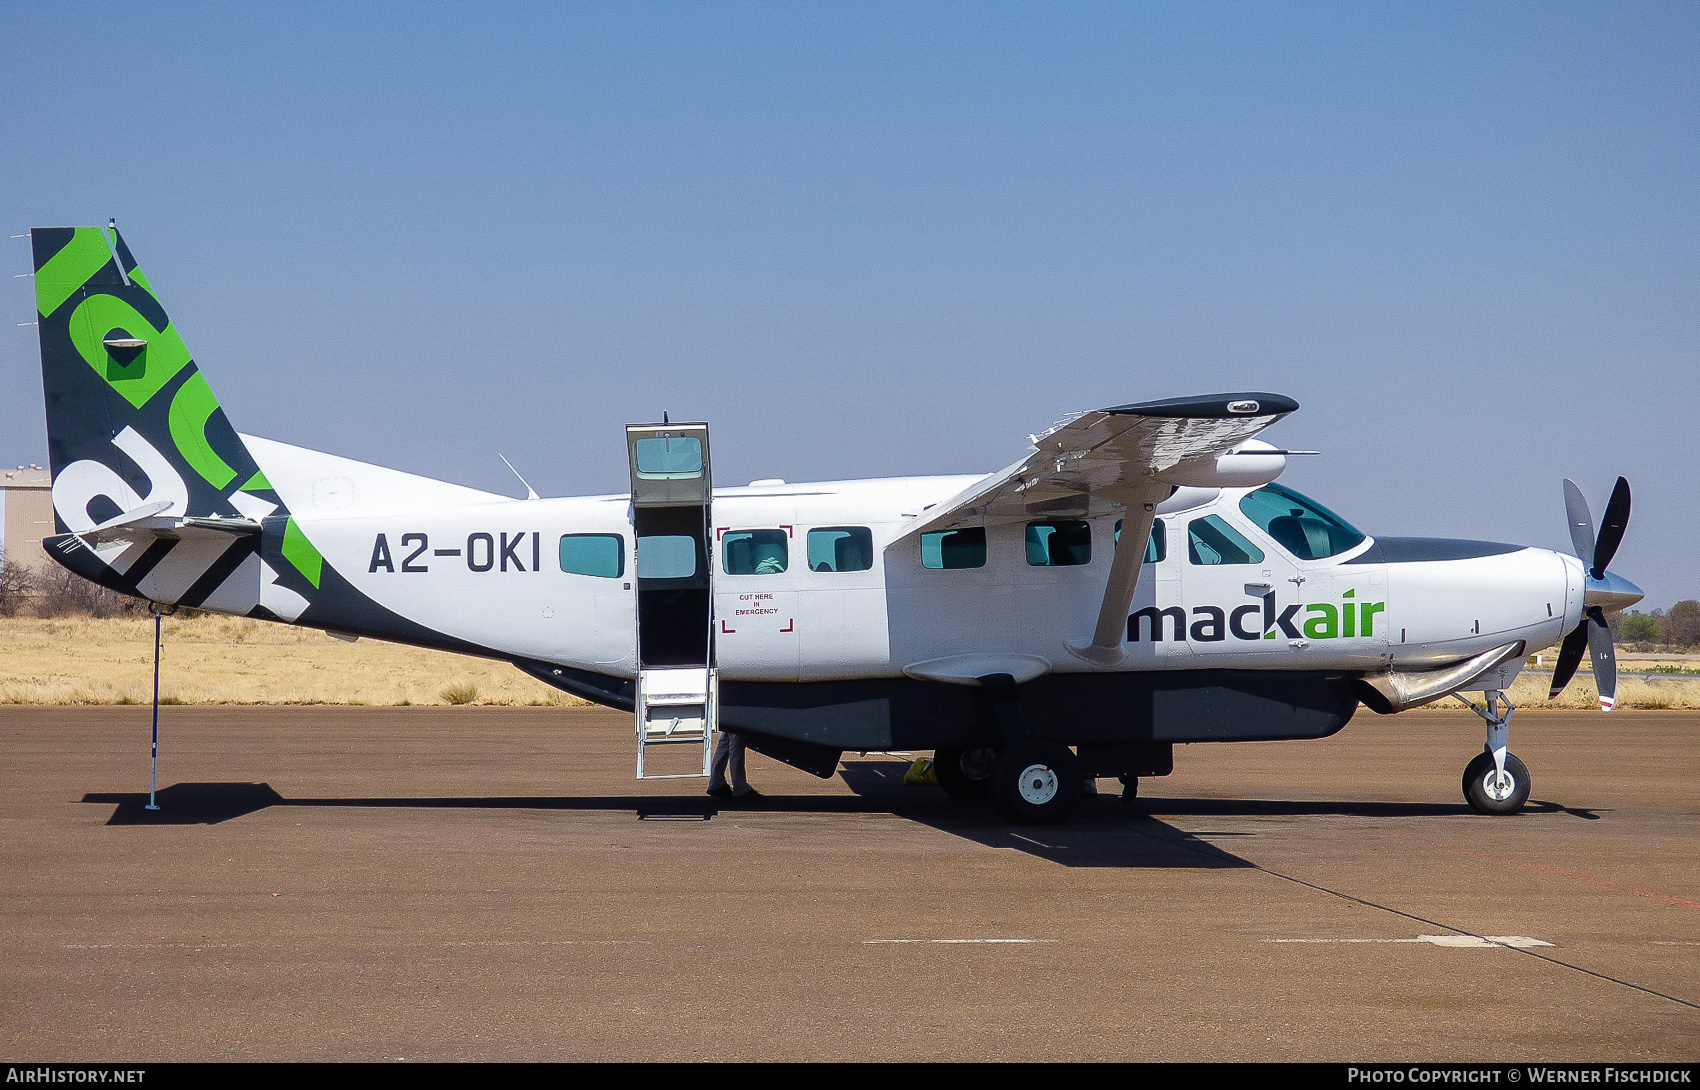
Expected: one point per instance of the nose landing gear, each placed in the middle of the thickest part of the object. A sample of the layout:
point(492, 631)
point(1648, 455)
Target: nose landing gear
point(1495, 782)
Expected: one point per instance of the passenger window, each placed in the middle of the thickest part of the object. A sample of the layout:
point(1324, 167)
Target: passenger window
point(669, 459)
point(1298, 524)
point(1156, 546)
point(841, 548)
point(954, 548)
point(1059, 544)
point(1212, 541)
point(754, 552)
point(601, 555)
point(666, 556)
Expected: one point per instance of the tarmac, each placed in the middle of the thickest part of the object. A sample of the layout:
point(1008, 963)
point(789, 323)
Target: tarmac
point(491, 884)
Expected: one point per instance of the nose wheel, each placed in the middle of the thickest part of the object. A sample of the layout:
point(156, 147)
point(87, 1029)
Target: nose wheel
point(1493, 790)
point(1495, 782)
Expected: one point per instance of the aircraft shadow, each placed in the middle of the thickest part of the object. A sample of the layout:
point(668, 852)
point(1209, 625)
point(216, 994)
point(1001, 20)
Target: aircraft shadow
point(1128, 840)
point(1105, 833)
point(1335, 808)
point(1102, 834)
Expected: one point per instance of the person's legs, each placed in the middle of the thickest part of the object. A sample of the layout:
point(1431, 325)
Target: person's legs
point(726, 773)
point(735, 765)
point(717, 771)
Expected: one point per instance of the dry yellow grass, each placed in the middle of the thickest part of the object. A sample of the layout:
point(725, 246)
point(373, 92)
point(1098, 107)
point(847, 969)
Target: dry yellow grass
point(232, 660)
point(1530, 690)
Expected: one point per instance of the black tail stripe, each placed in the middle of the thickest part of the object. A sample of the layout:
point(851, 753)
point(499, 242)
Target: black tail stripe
point(145, 563)
point(221, 569)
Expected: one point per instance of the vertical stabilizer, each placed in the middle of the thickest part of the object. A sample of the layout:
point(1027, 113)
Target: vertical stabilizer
point(131, 421)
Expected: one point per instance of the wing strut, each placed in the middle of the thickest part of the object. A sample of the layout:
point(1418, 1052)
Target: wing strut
point(1111, 631)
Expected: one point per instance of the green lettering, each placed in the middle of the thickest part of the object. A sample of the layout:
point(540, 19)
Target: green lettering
point(69, 269)
point(1370, 609)
point(1325, 625)
point(191, 407)
point(138, 377)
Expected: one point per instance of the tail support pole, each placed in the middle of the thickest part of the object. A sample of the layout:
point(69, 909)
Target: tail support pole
point(153, 764)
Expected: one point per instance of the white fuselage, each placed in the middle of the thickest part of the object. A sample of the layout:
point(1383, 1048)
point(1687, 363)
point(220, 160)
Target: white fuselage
point(485, 569)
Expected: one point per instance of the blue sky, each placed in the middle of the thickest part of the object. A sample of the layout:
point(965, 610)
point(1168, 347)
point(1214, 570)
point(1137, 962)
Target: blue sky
point(869, 239)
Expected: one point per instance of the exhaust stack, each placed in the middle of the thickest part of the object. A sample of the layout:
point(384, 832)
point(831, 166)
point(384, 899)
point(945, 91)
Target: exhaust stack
point(1402, 690)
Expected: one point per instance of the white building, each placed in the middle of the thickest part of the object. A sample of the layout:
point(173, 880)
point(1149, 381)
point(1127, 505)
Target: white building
point(26, 515)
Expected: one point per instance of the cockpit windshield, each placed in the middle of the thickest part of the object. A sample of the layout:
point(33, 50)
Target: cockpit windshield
point(1300, 525)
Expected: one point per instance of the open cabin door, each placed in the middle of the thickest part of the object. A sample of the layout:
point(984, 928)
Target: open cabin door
point(677, 692)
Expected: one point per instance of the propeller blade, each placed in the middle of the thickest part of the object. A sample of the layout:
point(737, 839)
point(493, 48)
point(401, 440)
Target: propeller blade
point(1581, 523)
point(1611, 528)
point(1605, 658)
point(1569, 657)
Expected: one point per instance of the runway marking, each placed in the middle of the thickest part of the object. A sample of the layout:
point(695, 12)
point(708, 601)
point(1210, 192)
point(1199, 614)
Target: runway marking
point(154, 945)
point(1214, 852)
point(960, 942)
point(487, 942)
point(1543, 867)
point(1657, 942)
point(1462, 942)
point(554, 942)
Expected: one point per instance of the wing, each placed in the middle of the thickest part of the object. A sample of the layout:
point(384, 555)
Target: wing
point(1128, 458)
point(1097, 462)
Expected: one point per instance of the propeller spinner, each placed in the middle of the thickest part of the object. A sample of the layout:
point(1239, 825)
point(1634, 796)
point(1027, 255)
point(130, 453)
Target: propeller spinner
point(1604, 592)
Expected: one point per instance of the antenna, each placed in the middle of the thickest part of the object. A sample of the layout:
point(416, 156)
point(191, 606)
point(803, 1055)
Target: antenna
point(664, 419)
point(530, 492)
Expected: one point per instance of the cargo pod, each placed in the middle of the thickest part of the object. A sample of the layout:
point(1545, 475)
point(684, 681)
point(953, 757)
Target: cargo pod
point(677, 690)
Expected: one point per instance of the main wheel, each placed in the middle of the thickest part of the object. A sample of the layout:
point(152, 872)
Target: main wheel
point(964, 773)
point(1036, 782)
point(1488, 793)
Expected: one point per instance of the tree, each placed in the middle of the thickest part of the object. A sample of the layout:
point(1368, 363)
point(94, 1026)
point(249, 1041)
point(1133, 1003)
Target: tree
point(1682, 623)
point(1639, 628)
point(15, 585)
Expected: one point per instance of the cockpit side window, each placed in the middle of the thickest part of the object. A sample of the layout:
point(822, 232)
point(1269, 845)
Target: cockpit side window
point(1298, 524)
point(1210, 540)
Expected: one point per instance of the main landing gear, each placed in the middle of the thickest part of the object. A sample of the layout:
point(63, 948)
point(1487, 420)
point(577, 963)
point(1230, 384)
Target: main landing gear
point(1495, 782)
point(1033, 782)
point(965, 774)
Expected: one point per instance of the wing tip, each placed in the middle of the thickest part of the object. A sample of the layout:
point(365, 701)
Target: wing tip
point(1211, 406)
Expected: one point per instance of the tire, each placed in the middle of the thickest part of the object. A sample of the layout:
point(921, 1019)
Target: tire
point(1036, 782)
point(964, 773)
point(1478, 791)
point(1130, 788)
